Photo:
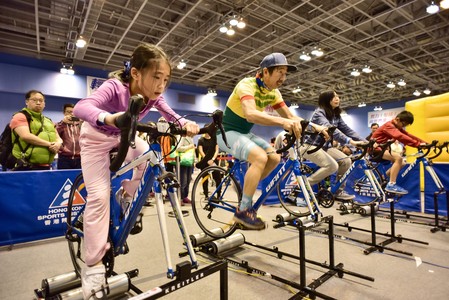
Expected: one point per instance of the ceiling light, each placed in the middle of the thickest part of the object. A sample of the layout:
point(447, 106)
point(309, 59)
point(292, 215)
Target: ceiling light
point(80, 43)
point(230, 31)
point(362, 104)
point(367, 69)
point(401, 82)
point(444, 4)
point(391, 85)
point(317, 52)
point(223, 28)
point(305, 56)
point(241, 24)
point(70, 71)
point(355, 72)
point(211, 92)
point(181, 65)
point(63, 70)
point(234, 21)
point(378, 108)
point(296, 90)
point(417, 93)
point(294, 105)
point(432, 8)
point(427, 91)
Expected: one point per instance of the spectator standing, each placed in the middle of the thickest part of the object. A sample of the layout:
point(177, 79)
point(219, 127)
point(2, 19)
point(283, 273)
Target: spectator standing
point(374, 127)
point(186, 169)
point(208, 150)
point(40, 134)
point(69, 131)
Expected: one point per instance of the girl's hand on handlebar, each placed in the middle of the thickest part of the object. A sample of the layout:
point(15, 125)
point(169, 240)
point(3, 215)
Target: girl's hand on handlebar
point(192, 128)
point(322, 130)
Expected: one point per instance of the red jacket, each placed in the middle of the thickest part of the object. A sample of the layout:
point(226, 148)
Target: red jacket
point(388, 131)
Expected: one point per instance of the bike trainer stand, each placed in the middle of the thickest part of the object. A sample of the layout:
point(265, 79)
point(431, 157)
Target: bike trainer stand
point(439, 222)
point(392, 237)
point(68, 286)
point(211, 249)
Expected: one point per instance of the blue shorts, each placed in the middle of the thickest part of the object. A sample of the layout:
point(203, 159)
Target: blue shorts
point(241, 144)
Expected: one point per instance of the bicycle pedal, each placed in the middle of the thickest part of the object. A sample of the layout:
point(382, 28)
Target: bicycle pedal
point(138, 226)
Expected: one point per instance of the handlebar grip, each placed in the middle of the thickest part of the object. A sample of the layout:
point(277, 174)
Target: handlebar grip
point(330, 132)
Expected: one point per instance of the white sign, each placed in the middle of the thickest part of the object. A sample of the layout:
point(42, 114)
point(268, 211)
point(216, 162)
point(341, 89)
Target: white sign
point(382, 116)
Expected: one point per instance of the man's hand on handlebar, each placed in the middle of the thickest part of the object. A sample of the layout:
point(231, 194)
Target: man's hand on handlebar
point(192, 128)
point(293, 126)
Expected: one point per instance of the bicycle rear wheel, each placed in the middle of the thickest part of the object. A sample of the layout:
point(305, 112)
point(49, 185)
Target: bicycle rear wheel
point(291, 196)
point(359, 184)
point(215, 210)
point(75, 231)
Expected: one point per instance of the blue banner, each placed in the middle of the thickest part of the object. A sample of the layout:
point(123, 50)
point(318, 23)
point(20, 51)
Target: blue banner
point(34, 204)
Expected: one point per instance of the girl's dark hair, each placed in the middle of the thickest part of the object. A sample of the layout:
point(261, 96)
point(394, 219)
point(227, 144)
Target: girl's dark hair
point(145, 55)
point(324, 102)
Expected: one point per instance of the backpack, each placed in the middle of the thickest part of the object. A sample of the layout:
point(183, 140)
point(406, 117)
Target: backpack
point(7, 160)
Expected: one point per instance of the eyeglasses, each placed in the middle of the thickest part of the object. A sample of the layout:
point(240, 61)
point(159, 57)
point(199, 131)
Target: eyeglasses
point(37, 100)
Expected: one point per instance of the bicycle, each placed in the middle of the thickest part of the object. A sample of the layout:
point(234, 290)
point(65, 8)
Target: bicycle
point(214, 212)
point(327, 189)
point(155, 178)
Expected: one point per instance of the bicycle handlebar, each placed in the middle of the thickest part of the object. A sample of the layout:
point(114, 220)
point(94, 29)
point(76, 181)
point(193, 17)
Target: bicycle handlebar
point(439, 149)
point(128, 124)
point(291, 139)
point(428, 147)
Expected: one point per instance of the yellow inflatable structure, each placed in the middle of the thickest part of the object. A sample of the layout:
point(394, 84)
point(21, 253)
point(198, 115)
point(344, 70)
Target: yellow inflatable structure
point(431, 121)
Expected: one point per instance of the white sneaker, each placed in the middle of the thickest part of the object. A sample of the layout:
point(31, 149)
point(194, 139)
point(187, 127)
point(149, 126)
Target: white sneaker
point(344, 196)
point(93, 281)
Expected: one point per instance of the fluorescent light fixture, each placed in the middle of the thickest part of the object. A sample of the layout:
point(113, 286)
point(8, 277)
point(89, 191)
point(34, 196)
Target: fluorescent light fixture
point(432, 8)
point(70, 71)
point(181, 65)
point(80, 43)
point(296, 90)
point(223, 28)
point(401, 82)
point(211, 92)
point(305, 56)
point(63, 70)
point(444, 4)
point(230, 31)
point(241, 24)
point(294, 105)
point(417, 93)
point(362, 104)
point(355, 72)
point(317, 52)
point(391, 85)
point(427, 91)
point(378, 108)
point(234, 21)
point(367, 69)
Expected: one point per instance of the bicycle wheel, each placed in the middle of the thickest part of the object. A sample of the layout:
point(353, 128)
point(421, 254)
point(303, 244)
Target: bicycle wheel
point(214, 212)
point(291, 196)
point(75, 231)
point(359, 184)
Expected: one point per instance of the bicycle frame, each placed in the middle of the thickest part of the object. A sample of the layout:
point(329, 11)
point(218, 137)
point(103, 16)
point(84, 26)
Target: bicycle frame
point(291, 165)
point(151, 180)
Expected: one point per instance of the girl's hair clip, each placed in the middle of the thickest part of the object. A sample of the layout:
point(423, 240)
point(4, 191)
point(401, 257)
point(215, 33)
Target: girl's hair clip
point(126, 68)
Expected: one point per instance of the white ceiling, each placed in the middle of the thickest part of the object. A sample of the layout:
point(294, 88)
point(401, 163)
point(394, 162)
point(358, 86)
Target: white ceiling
point(398, 39)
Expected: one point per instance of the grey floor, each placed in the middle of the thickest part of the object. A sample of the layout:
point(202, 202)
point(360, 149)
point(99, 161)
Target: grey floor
point(423, 275)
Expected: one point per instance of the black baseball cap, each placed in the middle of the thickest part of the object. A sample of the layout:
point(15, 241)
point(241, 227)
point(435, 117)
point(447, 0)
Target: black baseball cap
point(276, 60)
